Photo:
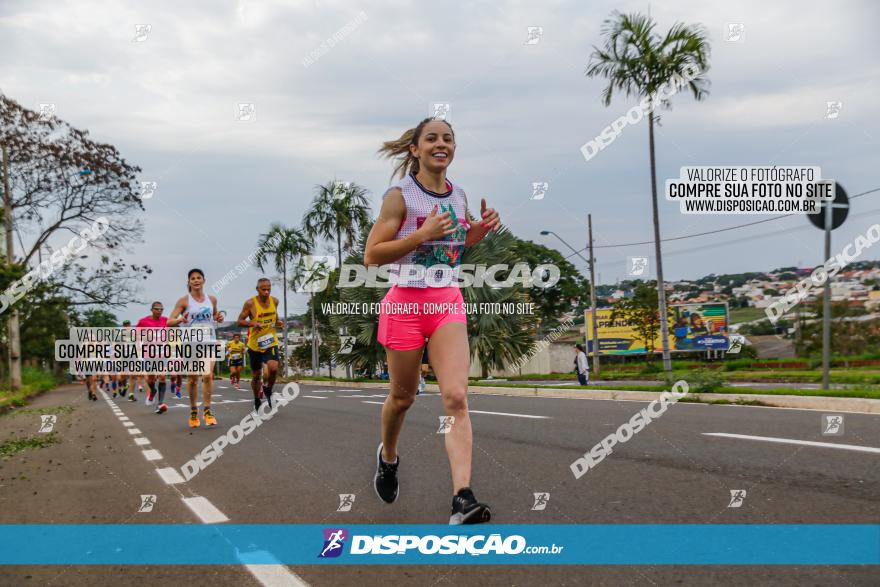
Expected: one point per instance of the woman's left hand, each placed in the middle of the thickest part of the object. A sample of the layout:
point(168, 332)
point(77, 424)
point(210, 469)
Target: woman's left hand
point(490, 220)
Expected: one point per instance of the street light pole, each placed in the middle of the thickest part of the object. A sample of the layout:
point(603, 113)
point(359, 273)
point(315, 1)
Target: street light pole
point(590, 264)
point(595, 332)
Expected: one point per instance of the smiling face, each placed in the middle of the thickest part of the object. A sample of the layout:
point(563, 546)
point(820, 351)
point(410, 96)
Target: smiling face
point(435, 148)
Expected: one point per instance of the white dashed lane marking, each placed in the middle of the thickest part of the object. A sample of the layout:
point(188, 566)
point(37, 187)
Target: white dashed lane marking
point(205, 510)
point(170, 476)
point(268, 575)
point(152, 455)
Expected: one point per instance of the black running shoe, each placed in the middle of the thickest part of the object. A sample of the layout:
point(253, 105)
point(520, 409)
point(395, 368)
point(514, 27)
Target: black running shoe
point(385, 482)
point(267, 392)
point(467, 510)
point(257, 403)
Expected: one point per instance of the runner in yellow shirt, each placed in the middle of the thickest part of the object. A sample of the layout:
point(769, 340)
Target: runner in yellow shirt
point(235, 352)
point(260, 316)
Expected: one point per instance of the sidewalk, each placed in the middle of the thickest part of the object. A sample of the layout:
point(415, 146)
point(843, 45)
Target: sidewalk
point(827, 404)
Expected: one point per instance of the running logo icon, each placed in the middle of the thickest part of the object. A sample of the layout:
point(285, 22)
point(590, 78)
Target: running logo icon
point(47, 423)
point(735, 32)
point(539, 190)
point(141, 32)
point(346, 500)
point(832, 425)
point(832, 109)
point(736, 343)
point(340, 189)
point(346, 345)
point(541, 500)
point(316, 271)
point(737, 496)
point(534, 35)
point(636, 266)
point(147, 503)
point(446, 423)
point(440, 111)
point(334, 542)
point(246, 112)
point(47, 112)
point(148, 188)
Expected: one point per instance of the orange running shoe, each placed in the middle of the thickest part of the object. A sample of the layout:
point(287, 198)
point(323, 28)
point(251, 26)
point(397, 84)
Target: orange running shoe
point(210, 420)
point(194, 419)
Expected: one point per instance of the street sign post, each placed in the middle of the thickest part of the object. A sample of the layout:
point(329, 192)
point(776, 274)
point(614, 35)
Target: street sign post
point(833, 215)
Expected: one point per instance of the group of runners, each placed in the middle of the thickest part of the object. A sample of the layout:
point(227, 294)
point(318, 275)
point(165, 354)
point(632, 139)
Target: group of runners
point(198, 309)
point(424, 221)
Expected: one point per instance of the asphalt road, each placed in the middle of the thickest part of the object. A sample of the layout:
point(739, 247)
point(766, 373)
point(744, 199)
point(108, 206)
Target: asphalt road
point(293, 468)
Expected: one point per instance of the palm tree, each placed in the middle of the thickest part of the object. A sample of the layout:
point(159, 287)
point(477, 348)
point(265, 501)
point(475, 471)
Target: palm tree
point(367, 351)
point(639, 62)
point(498, 340)
point(339, 212)
point(283, 245)
point(310, 274)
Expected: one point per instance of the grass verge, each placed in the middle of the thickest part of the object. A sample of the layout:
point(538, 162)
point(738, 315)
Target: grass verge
point(17, 445)
point(34, 382)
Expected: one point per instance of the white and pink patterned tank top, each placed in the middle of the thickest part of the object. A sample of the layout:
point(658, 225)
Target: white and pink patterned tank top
point(440, 253)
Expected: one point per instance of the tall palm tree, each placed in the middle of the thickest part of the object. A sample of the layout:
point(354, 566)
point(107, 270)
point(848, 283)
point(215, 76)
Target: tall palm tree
point(638, 62)
point(283, 245)
point(338, 212)
point(310, 274)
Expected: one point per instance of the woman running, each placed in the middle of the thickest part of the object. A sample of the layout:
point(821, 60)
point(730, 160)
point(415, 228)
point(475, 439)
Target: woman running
point(424, 223)
point(198, 310)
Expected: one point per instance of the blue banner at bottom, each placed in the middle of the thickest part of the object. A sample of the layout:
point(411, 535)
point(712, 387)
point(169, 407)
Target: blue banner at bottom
point(490, 544)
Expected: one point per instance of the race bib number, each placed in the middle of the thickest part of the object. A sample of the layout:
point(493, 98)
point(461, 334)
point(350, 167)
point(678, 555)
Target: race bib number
point(266, 341)
point(234, 356)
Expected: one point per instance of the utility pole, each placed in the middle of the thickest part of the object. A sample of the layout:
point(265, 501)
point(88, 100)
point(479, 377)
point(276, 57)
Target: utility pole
point(286, 370)
point(826, 302)
point(12, 326)
point(593, 299)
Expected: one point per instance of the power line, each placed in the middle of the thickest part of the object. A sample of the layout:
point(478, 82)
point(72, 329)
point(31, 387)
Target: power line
point(677, 238)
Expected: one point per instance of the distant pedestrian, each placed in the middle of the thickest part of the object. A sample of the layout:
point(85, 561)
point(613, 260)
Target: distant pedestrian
point(582, 365)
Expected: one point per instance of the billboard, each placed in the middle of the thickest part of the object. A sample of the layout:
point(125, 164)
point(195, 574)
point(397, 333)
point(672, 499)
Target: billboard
point(700, 327)
point(692, 327)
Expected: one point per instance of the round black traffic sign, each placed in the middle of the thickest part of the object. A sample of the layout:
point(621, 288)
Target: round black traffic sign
point(839, 209)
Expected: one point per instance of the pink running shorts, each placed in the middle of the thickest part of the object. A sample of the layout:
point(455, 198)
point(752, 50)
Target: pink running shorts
point(409, 315)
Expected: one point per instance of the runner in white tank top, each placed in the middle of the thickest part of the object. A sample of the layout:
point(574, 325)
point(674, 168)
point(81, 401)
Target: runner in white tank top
point(424, 222)
point(198, 310)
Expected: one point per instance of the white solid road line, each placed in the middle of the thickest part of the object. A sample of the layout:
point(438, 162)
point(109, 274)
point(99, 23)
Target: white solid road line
point(314, 396)
point(371, 402)
point(852, 447)
point(512, 415)
point(205, 510)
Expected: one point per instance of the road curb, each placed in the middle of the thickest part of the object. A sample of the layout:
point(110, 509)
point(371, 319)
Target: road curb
point(827, 404)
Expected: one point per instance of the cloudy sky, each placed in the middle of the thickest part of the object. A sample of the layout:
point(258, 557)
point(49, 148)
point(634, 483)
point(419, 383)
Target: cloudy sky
point(520, 112)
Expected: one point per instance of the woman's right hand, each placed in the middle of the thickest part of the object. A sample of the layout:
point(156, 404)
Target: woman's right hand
point(436, 226)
